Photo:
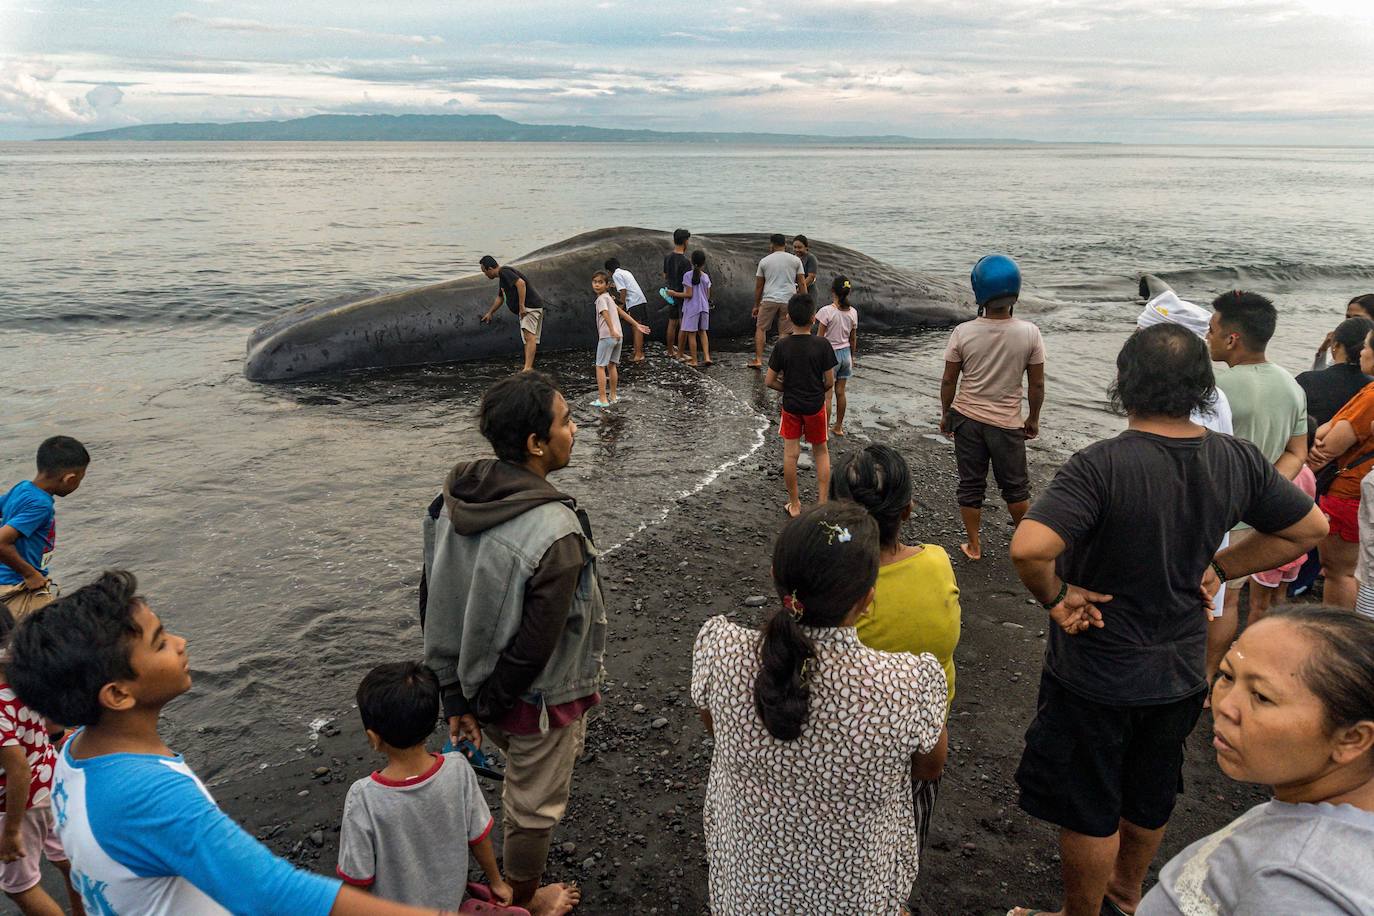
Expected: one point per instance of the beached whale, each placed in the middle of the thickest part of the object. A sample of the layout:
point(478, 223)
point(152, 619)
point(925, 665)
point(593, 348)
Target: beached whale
point(439, 323)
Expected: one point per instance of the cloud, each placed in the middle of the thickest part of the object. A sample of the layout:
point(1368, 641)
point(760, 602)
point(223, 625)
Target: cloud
point(253, 26)
point(27, 96)
point(104, 97)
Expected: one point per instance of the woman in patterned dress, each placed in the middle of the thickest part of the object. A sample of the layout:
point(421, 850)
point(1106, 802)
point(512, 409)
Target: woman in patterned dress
point(817, 737)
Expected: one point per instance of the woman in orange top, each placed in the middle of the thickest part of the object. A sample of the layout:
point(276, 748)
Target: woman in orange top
point(1349, 440)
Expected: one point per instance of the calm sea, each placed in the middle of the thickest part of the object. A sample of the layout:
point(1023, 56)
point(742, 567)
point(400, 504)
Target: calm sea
point(277, 526)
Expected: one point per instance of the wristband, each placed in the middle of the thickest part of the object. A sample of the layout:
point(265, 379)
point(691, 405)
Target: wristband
point(1221, 573)
point(1063, 591)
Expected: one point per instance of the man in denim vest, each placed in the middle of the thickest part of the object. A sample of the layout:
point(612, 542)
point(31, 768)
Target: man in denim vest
point(514, 621)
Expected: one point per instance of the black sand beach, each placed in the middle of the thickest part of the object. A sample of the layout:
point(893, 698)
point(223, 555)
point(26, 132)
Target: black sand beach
point(633, 836)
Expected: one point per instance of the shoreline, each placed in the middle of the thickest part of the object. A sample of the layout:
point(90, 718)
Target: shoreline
point(632, 837)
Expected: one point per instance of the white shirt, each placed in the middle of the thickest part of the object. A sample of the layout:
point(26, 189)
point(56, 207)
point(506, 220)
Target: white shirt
point(779, 271)
point(625, 280)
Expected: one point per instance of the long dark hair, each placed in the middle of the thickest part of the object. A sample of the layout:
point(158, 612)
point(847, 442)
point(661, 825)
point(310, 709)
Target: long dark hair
point(879, 479)
point(698, 262)
point(1341, 670)
point(1350, 334)
point(824, 561)
point(841, 288)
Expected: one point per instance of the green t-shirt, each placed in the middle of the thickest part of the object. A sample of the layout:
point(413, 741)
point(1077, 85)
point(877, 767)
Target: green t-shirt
point(1267, 407)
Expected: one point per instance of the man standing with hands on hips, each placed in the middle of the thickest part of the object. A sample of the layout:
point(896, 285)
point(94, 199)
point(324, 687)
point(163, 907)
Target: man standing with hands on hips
point(520, 297)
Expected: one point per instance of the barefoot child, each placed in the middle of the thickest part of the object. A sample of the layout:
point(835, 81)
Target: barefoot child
point(143, 834)
point(402, 825)
point(838, 323)
point(696, 308)
point(629, 294)
point(27, 832)
point(802, 367)
point(609, 337)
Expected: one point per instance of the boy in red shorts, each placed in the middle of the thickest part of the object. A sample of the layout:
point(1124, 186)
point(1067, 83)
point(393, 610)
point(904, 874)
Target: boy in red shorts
point(802, 367)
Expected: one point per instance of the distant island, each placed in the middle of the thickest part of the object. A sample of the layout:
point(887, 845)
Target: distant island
point(415, 127)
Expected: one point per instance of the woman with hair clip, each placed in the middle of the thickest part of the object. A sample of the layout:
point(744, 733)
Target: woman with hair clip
point(1293, 709)
point(817, 737)
point(838, 323)
point(916, 600)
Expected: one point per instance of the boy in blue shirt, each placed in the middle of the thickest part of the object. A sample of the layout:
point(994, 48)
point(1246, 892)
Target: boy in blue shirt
point(142, 832)
point(28, 525)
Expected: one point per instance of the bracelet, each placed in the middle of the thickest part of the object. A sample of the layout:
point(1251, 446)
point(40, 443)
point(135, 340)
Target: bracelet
point(1221, 573)
point(1063, 591)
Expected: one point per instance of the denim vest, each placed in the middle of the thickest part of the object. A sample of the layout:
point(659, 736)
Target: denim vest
point(476, 591)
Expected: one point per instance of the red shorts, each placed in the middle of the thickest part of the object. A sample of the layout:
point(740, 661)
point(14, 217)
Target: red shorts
point(794, 425)
point(1344, 515)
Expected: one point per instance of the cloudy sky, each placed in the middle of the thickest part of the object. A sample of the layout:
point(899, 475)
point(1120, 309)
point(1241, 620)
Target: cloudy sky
point(1162, 71)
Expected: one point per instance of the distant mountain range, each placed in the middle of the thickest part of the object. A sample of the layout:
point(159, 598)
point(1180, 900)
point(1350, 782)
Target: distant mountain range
point(413, 127)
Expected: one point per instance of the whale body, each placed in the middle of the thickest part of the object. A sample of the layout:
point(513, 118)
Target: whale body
point(440, 323)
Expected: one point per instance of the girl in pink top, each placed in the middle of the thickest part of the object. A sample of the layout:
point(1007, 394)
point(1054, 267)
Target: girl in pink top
point(838, 323)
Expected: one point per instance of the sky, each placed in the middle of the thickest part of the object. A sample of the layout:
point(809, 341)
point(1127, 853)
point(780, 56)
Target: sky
point(1295, 72)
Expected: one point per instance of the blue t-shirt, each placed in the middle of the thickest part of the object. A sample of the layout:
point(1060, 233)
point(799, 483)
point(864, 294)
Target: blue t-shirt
point(31, 512)
point(144, 836)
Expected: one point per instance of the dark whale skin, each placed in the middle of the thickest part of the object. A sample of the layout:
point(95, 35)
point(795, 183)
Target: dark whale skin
point(439, 323)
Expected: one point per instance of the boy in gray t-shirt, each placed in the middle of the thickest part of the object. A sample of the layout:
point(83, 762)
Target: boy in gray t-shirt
point(402, 825)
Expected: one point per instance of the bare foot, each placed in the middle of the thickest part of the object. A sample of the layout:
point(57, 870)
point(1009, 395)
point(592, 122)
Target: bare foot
point(691, 362)
point(971, 553)
point(756, 365)
point(792, 509)
point(837, 430)
point(555, 900)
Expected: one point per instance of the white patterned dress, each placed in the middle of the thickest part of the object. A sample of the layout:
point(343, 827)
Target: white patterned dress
point(822, 824)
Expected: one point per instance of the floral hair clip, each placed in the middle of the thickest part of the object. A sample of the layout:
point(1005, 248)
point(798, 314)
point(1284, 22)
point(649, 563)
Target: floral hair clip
point(792, 605)
point(835, 532)
point(846, 285)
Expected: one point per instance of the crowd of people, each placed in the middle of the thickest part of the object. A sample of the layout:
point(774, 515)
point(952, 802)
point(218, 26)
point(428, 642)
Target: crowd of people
point(830, 721)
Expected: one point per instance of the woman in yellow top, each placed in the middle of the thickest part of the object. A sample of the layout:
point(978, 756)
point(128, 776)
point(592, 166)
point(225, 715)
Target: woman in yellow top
point(916, 601)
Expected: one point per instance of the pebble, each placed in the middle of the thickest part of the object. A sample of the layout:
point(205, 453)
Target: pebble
point(660, 722)
point(317, 838)
point(303, 793)
point(1012, 626)
point(589, 862)
point(639, 707)
point(568, 848)
point(755, 601)
point(321, 771)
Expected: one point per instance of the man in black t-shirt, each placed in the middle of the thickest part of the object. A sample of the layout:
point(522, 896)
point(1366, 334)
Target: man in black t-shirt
point(523, 301)
point(1119, 551)
point(675, 265)
point(802, 367)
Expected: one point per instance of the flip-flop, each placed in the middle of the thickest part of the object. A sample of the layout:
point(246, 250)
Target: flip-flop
point(480, 901)
point(597, 402)
point(787, 511)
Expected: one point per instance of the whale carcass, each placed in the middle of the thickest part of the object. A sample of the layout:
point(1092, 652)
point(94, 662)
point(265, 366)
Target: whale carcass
point(439, 323)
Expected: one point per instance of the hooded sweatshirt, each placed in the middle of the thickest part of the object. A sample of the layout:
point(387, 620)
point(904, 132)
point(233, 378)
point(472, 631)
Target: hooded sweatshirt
point(490, 646)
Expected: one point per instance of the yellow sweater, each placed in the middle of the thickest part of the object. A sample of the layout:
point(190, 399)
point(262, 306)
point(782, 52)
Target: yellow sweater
point(916, 609)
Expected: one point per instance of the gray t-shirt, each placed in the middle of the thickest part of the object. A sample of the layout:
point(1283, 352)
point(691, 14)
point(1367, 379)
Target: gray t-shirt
point(408, 841)
point(809, 264)
point(1275, 859)
point(779, 271)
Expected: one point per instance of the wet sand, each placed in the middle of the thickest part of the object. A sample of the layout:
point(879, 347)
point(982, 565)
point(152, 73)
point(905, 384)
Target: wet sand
point(633, 836)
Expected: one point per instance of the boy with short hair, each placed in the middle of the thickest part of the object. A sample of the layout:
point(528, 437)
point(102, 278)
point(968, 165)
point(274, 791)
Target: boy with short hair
point(27, 834)
point(401, 825)
point(28, 525)
point(802, 367)
point(142, 832)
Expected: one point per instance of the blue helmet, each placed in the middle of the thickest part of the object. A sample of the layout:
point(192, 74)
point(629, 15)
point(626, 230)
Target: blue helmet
point(995, 276)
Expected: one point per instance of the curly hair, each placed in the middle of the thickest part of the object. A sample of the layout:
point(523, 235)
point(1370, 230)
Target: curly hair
point(1163, 371)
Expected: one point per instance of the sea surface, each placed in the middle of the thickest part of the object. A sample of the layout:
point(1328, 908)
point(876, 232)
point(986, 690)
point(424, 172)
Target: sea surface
point(278, 525)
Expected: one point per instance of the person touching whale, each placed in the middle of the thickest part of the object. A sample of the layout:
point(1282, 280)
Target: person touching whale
point(520, 297)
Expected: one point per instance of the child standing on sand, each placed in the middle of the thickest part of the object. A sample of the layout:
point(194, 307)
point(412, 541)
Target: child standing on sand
point(402, 825)
point(696, 308)
point(802, 367)
point(838, 323)
point(609, 337)
point(28, 833)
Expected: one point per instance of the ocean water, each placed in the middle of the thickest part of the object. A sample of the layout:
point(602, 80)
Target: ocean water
point(278, 526)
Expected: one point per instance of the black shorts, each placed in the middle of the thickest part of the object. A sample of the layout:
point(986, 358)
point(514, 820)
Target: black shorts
point(975, 445)
point(675, 309)
point(639, 312)
point(1087, 765)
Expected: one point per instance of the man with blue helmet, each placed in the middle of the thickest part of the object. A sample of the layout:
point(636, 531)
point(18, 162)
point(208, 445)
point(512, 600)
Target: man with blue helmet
point(980, 396)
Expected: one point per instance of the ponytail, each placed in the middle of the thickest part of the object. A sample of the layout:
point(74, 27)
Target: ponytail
point(841, 288)
point(698, 262)
point(782, 694)
point(824, 562)
point(879, 479)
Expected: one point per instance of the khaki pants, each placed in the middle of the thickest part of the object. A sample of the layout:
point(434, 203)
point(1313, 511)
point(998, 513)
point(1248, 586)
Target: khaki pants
point(534, 795)
point(769, 310)
point(23, 602)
